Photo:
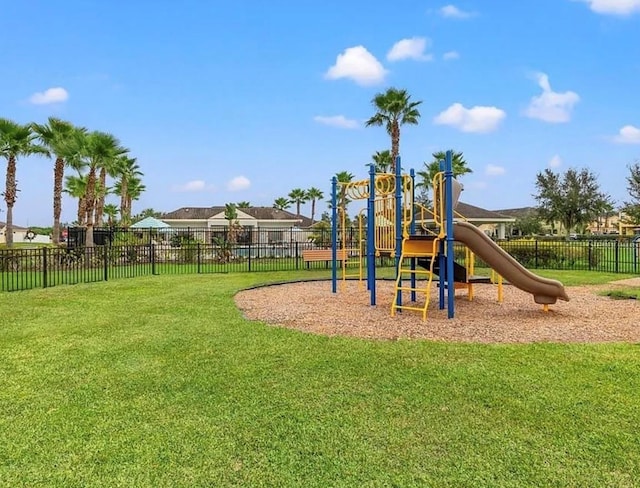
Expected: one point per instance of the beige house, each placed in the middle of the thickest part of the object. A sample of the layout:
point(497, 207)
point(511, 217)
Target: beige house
point(261, 225)
point(20, 235)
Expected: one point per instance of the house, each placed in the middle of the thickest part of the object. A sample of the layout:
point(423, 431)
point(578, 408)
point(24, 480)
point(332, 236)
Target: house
point(21, 235)
point(264, 225)
point(494, 224)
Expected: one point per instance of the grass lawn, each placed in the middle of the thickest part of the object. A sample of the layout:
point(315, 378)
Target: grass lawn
point(158, 381)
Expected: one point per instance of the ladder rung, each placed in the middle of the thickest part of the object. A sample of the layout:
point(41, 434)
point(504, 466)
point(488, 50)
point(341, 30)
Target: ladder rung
point(408, 288)
point(406, 307)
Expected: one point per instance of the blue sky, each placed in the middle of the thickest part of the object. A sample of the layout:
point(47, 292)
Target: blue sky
point(245, 100)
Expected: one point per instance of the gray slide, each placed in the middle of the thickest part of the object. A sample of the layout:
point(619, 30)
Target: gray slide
point(544, 290)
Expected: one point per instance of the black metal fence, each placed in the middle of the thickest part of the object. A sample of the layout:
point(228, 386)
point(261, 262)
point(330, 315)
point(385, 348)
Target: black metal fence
point(22, 269)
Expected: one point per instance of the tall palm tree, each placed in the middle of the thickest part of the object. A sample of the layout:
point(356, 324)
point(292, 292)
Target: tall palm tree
point(109, 167)
point(126, 169)
point(110, 211)
point(100, 150)
point(76, 187)
point(458, 165)
point(343, 177)
point(135, 189)
point(394, 108)
point(298, 196)
point(314, 194)
point(282, 203)
point(55, 136)
point(16, 140)
point(382, 161)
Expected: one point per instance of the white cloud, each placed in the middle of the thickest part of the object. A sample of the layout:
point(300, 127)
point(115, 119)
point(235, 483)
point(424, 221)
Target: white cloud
point(359, 65)
point(50, 95)
point(628, 135)
point(493, 170)
point(449, 55)
point(614, 7)
point(555, 161)
point(337, 121)
point(453, 12)
point(238, 183)
point(413, 48)
point(191, 187)
point(475, 119)
point(551, 106)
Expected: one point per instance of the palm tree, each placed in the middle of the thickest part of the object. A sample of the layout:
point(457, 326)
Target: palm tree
point(16, 140)
point(110, 211)
point(135, 189)
point(111, 166)
point(298, 196)
point(282, 203)
point(343, 177)
point(100, 150)
point(55, 136)
point(126, 169)
point(76, 187)
point(458, 165)
point(243, 204)
point(382, 161)
point(394, 108)
point(314, 194)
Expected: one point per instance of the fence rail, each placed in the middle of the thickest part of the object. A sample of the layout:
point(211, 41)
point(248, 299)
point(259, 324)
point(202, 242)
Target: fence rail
point(22, 269)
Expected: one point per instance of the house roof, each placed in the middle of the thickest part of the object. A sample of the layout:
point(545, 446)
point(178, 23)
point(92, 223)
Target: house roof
point(15, 227)
point(518, 212)
point(471, 212)
point(258, 213)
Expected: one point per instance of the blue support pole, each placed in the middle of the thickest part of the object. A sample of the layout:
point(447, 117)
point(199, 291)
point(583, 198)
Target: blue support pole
point(371, 235)
point(412, 231)
point(398, 247)
point(448, 189)
point(334, 234)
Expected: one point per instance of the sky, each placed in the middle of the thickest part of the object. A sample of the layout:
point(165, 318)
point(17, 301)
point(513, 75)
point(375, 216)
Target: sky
point(244, 100)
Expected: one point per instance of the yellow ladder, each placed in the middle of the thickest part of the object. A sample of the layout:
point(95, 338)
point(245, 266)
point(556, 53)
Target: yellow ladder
point(415, 247)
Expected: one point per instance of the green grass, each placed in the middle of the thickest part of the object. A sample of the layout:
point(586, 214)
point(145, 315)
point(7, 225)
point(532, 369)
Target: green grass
point(159, 381)
point(624, 293)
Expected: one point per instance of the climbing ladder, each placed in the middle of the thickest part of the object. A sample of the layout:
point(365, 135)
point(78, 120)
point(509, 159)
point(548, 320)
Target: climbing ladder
point(415, 247)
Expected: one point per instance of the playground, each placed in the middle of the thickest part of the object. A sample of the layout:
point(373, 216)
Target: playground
point(311, 307)
point(436, 293)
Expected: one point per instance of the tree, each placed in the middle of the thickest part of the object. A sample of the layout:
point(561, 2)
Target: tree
point(458, 165)
point(298, 196)
point(529, 224)
point(394, 109)
point(314, 194)
point(282, 203)
point(382, 161)
point(55, 136)
point(632, 208)
point(231, 214)
point(343, 178)
point(99, 149)
point(110, 211)
point(16, 141)
point(573, 199)
point(147, 212)
point(127, 175)
point(243, 204)
point(76, 186)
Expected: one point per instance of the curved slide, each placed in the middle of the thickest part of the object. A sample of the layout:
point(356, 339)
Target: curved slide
point(544, 290)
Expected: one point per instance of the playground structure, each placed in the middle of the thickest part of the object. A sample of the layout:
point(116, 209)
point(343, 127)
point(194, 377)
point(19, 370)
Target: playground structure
point(391, 230)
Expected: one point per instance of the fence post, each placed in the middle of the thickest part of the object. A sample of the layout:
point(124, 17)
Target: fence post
point(535, 255)
point(198, 258)
point(153, 259)
point(249, 255)
point(617, 256)
point(44, 267)
point(106, 262)
point(589, 256)
point(297, 257)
